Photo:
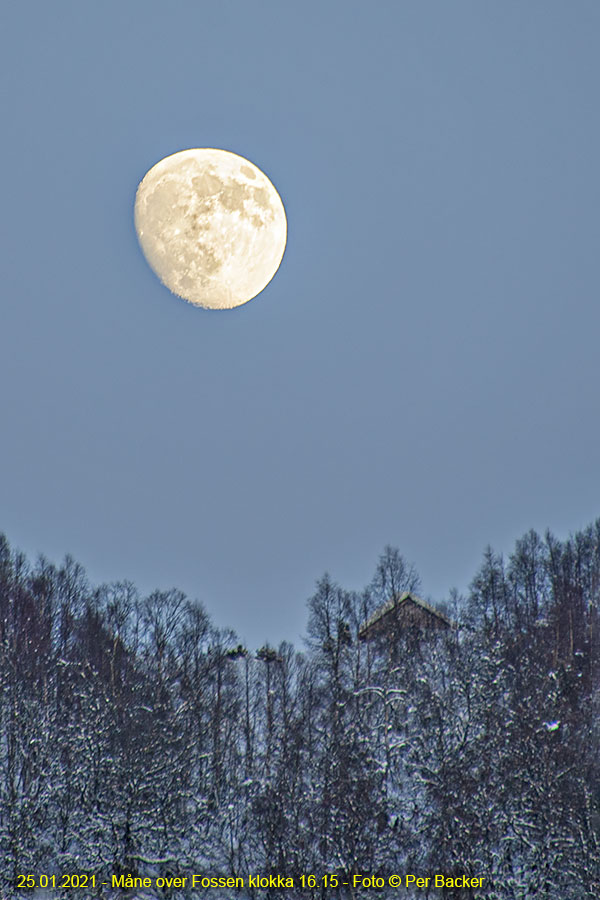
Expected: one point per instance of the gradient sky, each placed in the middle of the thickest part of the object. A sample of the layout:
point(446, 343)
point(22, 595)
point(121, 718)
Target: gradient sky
point(423, 370)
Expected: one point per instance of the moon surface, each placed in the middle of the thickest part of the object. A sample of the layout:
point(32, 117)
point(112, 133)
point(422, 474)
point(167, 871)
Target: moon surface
point(211, 226)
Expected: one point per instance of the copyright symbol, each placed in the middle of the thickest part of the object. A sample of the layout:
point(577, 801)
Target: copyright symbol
point(395, 881)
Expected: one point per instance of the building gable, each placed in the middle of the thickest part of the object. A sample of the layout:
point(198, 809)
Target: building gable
point(403, 612)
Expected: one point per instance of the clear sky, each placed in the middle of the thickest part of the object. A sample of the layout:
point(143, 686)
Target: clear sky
point(423, 370)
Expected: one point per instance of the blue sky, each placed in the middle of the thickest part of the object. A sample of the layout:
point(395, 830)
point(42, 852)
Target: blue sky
point(423, 371)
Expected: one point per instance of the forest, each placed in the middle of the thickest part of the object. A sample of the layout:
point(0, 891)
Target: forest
point(138, 737)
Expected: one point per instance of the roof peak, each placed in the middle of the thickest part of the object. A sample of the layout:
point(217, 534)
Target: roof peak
point(397, 599)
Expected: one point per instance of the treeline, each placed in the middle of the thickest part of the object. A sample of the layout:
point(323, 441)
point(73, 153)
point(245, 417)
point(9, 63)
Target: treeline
point(137, 737)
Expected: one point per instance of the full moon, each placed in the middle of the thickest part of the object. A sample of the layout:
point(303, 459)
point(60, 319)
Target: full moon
point(211, 226)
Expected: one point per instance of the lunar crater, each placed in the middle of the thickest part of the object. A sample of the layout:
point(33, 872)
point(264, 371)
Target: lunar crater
point(211, 225)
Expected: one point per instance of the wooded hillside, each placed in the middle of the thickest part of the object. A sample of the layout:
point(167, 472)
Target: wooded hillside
point(136, 736)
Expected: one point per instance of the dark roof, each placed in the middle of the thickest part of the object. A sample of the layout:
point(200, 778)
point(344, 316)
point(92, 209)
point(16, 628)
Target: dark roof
point(394, 603)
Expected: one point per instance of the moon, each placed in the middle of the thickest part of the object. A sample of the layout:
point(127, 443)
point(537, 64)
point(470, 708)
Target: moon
point(211, 226)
